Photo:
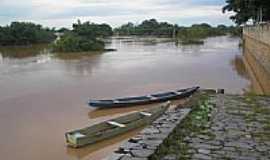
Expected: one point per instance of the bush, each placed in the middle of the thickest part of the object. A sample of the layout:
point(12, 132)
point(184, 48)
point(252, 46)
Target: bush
point(74, 43)
point(24, 33)
point(83, 37)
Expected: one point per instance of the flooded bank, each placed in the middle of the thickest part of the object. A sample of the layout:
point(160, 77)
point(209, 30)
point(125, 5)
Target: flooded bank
point(42, 96)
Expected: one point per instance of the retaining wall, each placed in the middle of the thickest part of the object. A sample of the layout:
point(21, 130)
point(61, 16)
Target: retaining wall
point(256, 49)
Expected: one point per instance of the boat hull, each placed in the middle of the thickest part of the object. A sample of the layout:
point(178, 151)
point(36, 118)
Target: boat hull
point(104, 130)
point(154, 98)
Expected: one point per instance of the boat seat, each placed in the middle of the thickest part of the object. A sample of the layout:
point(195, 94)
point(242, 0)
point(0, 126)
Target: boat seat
point(146, 114)
point(178, 93)
point(116, 124)
point(151, 97)
point(78, 135)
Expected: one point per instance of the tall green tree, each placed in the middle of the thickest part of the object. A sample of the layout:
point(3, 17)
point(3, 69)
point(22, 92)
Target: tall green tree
point(83, 37)
point(248, 9)
point(92, 30)
point(25, 33)
point(147, 27)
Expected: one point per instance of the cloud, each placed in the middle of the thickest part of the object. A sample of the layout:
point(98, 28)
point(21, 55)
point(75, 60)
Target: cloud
point(116, 12)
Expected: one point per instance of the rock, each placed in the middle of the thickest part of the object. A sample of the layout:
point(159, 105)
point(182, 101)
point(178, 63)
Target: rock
point(150, 131)
point(151, 143)
point(115, 156)
point(204, 151)
point(127, 146)
point(142, 153)
point(206, 146)
point(132, 158)
point(170, 157)
point(201, 157)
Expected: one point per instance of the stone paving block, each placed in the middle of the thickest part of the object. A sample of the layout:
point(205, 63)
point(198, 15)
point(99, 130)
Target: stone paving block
point(149, 139)
point(142, 153)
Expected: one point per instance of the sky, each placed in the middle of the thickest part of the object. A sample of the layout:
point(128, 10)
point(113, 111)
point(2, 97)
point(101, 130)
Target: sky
point(62, 13)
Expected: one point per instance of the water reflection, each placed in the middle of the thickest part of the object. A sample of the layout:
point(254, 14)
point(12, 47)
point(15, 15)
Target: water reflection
point(97, 113)
point(113, 111)
point(24, 51)
point(1, 58)
point(85, 66)
point(239, 66)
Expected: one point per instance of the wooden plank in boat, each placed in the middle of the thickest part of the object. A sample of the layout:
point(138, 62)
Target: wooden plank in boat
point(116, 124)
point(146, 114)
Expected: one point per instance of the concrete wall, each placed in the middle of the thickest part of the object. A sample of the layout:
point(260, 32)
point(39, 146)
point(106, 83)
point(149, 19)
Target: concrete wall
point(257, 56)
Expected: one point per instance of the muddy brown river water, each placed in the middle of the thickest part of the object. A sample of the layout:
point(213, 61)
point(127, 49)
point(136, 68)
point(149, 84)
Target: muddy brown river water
point(42, 97)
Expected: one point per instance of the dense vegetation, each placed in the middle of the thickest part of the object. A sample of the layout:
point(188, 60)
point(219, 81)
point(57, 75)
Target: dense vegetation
point(154, 28)
point(83, 37)
point(89, 36)
point(147, 28)
point(257, 10)
point(24, 33)
point(197, 32)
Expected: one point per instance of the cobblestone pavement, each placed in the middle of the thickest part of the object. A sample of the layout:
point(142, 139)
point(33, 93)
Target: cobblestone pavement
point(239, 129)
point(147, 141)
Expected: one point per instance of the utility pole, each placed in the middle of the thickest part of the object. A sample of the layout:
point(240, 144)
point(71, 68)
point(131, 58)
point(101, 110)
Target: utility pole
point(174, 32)
point(261, 14)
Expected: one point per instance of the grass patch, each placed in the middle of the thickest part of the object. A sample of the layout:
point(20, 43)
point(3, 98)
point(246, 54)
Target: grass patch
point(195, 123)
point(259, 111)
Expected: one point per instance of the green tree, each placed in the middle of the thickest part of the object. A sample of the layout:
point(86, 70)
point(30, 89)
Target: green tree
point(147, 27)
point(63, 30)
point(126, 29)
point(71, 42)
point(248, 9)
point(92, 30)
point(25, 33)
point(83, 37)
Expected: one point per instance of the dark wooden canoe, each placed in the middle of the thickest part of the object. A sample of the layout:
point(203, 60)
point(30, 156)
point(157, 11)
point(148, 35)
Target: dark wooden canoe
point(89, 135)
point(153, 98)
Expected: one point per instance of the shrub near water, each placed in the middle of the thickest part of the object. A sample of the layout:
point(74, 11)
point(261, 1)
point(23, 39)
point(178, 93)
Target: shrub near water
point(74, 43)
point(83, 37)
point(25, 33)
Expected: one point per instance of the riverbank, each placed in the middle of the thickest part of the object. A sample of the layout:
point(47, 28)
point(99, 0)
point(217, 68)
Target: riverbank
point(218, 127)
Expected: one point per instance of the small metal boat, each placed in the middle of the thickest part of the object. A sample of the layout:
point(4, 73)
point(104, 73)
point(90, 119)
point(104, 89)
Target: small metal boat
point(113, 127)
point(153, 98)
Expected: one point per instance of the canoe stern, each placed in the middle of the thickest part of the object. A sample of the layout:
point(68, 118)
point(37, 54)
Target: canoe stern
point(73, 139)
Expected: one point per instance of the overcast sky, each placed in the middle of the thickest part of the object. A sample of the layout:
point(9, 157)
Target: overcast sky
point(62, 13)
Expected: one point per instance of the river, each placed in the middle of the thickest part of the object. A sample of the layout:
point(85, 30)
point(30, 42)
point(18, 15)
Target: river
point(43, 96)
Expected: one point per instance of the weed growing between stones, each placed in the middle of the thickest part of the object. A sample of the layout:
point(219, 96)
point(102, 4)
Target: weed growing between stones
point(260, 113)
point(176, 146)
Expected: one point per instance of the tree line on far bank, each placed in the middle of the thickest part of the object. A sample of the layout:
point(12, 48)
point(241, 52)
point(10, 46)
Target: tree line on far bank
point(152, 27)
point(25, 33)
point(89, 36)
point(187, 35)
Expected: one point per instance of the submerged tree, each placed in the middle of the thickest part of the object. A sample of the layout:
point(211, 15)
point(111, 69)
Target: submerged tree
point(83, 37)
